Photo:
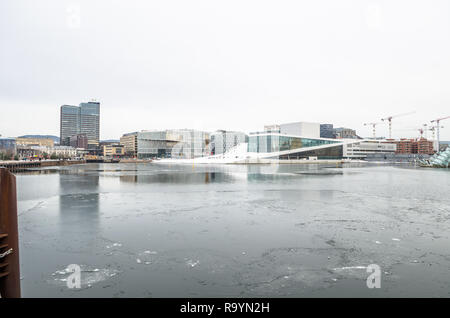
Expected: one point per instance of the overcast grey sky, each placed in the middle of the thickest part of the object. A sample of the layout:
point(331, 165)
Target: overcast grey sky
point(224, 64)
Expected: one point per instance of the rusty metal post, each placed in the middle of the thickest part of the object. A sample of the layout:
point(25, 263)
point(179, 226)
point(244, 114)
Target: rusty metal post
point(9, 237)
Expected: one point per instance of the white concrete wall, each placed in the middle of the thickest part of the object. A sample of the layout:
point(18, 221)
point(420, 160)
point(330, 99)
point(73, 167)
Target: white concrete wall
point(304, 129)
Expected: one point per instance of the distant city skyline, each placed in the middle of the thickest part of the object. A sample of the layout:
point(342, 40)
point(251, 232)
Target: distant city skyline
point(235, 66)
point(382, 130)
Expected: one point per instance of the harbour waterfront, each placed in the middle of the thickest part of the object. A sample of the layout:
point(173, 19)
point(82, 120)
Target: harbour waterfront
point(152, 230)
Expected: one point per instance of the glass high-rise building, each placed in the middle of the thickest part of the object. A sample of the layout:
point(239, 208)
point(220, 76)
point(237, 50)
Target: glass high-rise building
point(69, 123)
point(90, 122)
point(83, 119)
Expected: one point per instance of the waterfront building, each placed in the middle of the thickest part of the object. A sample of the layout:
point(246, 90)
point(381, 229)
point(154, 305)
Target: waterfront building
point(62, 151)
point(28, 152)
point(425, 146)
point(327, 131)
point(298, 140)
point(113, 151)
point(25, 141)
point(83, 119)
point(156, 144)
point(222, 141)
point(130, 143)
point(41, 151)
point(414, 146)
point(175, 143)
point(405, 145)
point(7, 146)
point(274, 147)
point(362, 149)
point(285, 147)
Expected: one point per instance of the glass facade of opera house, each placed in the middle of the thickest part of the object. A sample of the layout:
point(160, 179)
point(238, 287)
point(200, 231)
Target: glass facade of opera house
point(268, 143)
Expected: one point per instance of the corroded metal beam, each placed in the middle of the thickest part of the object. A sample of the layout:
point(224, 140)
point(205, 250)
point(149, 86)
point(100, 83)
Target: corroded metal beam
point(9, 237)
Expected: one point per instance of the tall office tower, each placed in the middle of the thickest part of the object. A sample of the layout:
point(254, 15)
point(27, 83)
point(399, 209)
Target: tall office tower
point(83, 119)
point(90, 121)
point(69, 123)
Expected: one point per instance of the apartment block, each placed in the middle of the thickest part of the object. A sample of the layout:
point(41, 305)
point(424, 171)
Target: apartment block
point(130, 143)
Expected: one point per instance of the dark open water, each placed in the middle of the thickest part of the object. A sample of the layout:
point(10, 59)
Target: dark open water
point(146, 230)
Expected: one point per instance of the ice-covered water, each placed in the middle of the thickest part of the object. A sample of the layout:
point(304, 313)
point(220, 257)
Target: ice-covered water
point(148, 230)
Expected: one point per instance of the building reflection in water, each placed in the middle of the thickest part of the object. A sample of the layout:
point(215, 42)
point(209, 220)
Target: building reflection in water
point(79, 205)
point(129, 179)
point(220, 174)
point(180, 178)
point(39, 171)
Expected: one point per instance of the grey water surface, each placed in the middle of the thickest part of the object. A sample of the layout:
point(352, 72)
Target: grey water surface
point(152, 230)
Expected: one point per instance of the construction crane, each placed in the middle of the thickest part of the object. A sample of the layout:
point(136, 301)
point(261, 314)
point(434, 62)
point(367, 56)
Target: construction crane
point(421, 132)
point(425, 129)
point(433, 130)
point(389, 119)
point(374, 125)
point(437, 121)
